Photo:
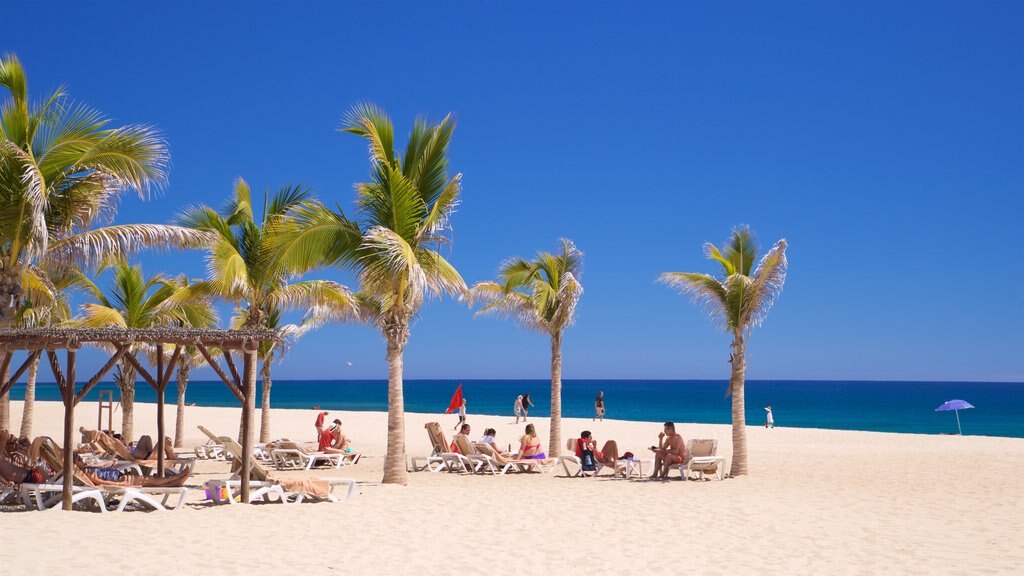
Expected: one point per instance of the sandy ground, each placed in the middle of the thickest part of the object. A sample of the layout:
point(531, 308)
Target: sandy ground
point(815, 502)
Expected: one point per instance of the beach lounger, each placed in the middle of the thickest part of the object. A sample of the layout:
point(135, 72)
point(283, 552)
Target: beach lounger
point(296, 489)
point(292, 455)
point(701, 458)
point(442, 458)
point(53, 456)
point(49, 496)
point(509, 465)
point(570, 457)
point(481, 462)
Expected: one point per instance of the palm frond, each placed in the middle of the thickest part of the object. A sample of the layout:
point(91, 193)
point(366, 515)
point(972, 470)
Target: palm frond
point(510, 305)
point(88, 248)
point(741, 250)
point(707, 292)
point(768, 281)
point(371, 122)
point(387, 257)
point(100, 316)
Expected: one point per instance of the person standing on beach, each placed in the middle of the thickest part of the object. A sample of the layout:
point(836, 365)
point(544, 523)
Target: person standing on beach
point(462, 415)
point(599, 406)
point(769, 419)
point(526, 405)
point(320, 424)
point(670, 451)
point(517, 408)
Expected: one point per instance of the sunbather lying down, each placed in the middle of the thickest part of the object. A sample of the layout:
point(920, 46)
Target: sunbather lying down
point(143, 451)
point(51, 453)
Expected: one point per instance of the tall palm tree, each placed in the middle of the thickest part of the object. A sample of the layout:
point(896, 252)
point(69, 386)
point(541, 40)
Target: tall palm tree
point(134, 301)
point(737, 301)
point(200, 315)
point(403, 221)
point(242, 269)
point(541, 295)
point(63, 169)
point(45, 303)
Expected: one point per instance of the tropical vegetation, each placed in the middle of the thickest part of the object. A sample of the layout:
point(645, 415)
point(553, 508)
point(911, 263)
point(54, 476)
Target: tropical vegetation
point(737, 301)
point(394, 243)
point(540, 295)
point(63, 168)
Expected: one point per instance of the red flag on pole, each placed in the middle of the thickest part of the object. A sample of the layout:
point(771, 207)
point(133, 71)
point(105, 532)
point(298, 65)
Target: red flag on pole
point(456, 402)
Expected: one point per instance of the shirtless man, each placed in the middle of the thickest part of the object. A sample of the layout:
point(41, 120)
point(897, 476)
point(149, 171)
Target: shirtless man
point(670, 451)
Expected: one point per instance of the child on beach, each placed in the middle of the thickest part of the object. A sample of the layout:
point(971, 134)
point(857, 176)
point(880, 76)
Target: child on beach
point(769, 420)
point(462, 415)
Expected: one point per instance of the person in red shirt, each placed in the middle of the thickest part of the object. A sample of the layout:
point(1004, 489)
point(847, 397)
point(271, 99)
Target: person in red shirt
point(329, 436)
point(320, 424)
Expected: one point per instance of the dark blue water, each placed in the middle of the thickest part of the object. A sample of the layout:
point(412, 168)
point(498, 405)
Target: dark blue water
point(847, 405)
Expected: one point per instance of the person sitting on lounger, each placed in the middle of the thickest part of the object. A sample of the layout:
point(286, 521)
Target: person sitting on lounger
point(15, 474)
point(333, 440)
point(607, 455)
point(463, 431)
point(670, 451)
point(529, 445)
point(488, 438)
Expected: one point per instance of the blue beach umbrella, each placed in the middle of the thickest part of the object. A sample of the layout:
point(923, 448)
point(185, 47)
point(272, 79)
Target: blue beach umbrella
point(956, 406)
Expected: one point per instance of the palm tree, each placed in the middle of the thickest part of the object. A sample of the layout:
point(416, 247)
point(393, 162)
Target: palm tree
point(45, 303)
point(404, 213)
point(63, 169)
point(541, 295)
point(737, 301)
point(135, 301)
point(242, 270)
point(201, 315)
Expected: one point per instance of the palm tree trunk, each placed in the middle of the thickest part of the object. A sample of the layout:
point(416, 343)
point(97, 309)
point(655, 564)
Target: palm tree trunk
point(739, 415)
point(268, 359)
point(394, 463)
point(27, 414)
point(179, 421)
point(10, 296)
point(555, 445)
point(127, 385)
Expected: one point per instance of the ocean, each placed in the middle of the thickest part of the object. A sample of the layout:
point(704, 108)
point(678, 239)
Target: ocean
point(841, 405)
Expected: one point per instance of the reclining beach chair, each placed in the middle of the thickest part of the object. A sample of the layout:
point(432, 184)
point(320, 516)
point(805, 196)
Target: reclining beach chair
point(701, 458)
point(87, 489)
point(481, 462)
point(507, 464)
point(441, 457)
point(292, 455)
point(290, 489)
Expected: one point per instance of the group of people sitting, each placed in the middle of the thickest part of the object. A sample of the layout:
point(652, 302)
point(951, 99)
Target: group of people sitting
point(97, 461)
point(670, 450)
point(331, 440)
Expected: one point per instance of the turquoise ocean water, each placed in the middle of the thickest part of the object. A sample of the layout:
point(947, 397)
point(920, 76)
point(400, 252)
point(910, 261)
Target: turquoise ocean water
point(844, 405)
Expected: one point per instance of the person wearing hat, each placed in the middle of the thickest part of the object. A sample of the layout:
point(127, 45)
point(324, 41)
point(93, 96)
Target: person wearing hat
point(769, 420)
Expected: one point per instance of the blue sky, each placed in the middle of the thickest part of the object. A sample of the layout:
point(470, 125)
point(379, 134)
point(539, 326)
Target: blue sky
point(883, 141)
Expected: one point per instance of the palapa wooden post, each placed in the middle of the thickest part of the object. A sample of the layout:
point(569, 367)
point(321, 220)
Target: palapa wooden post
point(160, 410)
point(248, 376)
point(67, 392)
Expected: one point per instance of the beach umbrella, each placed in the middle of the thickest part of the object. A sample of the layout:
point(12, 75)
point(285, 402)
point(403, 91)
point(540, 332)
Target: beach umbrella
point(956, 406)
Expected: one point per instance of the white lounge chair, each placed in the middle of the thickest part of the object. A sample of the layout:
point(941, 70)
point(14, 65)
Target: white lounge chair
point(701, 459)
point(261, 474)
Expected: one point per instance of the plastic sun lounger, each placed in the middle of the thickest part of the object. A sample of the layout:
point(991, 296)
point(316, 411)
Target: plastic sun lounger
point(526, 465)
point(50, 496)
point(293, 455)
point(701, 458)
point(146, 495)
point(442, 458)
point(261, 474)
point(481, 462)
point(259, 490)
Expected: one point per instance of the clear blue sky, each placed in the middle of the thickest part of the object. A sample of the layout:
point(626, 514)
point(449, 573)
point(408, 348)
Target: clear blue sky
point(884, 141)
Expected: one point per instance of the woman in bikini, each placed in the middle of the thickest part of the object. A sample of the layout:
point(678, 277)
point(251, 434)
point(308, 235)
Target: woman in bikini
point(529, 445)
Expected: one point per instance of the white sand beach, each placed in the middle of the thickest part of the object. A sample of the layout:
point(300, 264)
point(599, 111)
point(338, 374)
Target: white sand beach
point(816, 502)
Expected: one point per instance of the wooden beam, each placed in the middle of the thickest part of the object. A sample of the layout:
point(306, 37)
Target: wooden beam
point(5, 386)
point(130, 357)
point(58, 376)
point(171, 364)
point(68, 394)
point(231, 366)
point(232, 386)
point(99, 375)
point(4, 365)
